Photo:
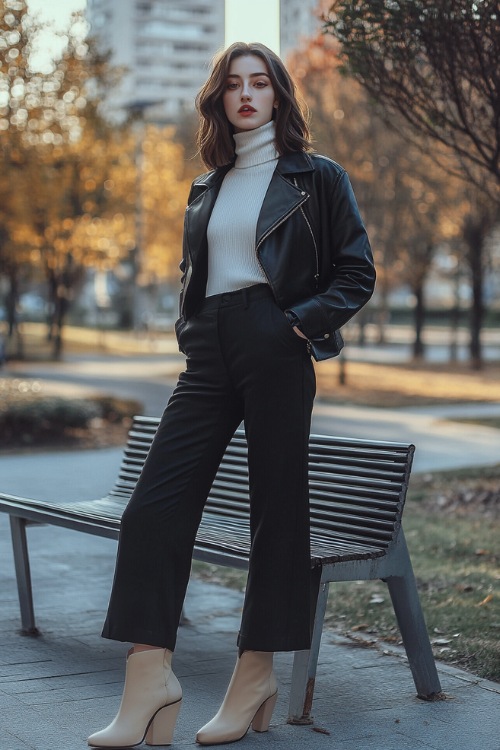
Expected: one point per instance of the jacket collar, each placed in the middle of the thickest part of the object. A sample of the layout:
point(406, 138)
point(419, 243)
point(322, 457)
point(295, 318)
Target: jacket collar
point(292, 163)
point(281, 198)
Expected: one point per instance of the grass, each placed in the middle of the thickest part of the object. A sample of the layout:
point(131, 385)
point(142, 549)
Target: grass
point(452, 524)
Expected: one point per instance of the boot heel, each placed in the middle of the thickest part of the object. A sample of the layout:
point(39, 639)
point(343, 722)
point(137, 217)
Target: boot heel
point(161, 729)
point(262, 718)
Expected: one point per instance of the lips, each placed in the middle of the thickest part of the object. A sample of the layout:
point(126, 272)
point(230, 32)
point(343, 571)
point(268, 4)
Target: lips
point(246, 109)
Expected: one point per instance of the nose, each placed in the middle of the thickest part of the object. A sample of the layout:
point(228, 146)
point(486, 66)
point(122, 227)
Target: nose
point(245, 92)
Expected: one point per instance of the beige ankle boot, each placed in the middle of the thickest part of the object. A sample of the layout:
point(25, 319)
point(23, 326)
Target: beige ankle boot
point(250, 699)
point(150, 703)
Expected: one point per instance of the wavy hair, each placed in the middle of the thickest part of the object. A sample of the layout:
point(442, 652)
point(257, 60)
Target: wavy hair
point(215, 132)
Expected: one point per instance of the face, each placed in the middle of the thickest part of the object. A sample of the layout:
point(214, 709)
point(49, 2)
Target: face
point(249, 97)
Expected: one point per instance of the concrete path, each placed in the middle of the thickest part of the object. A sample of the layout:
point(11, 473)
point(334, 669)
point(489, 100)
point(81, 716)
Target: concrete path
point(56, 689)
point(440, 443)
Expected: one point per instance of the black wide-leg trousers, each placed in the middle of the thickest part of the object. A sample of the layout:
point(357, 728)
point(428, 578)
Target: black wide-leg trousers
point(244, 362)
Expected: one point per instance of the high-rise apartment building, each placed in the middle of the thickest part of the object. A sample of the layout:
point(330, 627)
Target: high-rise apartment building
point(165, 47)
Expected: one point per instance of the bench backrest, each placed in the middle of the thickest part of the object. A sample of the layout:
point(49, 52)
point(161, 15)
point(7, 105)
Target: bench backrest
point(357, 487)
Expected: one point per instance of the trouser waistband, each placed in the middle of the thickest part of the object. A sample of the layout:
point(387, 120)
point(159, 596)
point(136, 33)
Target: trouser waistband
point(239, 297)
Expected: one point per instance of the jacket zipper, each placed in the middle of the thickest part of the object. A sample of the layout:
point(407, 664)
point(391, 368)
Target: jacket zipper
point(279, 223)
point(266, 235)
point(316, 275)
point(188, 274)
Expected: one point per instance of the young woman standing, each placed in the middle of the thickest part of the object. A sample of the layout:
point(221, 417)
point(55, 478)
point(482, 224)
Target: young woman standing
point(275, 261)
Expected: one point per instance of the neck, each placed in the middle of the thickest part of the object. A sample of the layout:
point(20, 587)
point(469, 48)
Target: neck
point(255, 147)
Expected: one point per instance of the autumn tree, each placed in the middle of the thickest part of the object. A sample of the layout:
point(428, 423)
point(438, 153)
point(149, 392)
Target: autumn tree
point(57, 154)
point(404, 197)
point(166, 181)
point(436, 64)
point(14, 249)
point(79, 192)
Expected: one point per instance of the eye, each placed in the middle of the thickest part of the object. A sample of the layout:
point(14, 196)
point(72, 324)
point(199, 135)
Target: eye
point(231, 86)
point(261, 84)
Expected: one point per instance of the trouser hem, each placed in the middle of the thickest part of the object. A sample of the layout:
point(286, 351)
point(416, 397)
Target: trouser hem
point(248, 644)
point(145, 637)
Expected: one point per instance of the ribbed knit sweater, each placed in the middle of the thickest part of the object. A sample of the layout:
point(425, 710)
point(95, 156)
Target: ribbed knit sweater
point(231, 233)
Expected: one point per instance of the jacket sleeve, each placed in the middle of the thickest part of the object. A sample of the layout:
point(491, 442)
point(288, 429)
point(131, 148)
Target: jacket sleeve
point(352, 272)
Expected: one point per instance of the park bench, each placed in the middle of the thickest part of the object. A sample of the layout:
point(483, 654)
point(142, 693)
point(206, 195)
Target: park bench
point(357, 494)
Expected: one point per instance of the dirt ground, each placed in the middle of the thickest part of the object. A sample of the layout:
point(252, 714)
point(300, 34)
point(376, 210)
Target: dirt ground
point(396, 386)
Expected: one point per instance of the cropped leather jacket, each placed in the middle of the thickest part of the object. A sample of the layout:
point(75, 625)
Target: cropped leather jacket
point(310, 242)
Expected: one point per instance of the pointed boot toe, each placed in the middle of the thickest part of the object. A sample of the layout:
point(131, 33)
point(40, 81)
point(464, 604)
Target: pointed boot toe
point(249, 701)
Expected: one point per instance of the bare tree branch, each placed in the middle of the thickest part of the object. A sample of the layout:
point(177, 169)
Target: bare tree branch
point(436, 63)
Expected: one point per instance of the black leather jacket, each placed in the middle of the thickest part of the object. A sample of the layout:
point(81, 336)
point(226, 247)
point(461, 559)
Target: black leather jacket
point(311, 244)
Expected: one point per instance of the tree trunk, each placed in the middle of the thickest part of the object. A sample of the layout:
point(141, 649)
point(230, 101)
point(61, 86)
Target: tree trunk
point(455, 318)
point(11, 304)
point(419, 320)
point(342, 370)
point(382, 315)
point(62, 285)
point(474, 234)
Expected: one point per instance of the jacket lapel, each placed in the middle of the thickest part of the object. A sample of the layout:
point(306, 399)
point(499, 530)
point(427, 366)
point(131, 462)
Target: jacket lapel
point(204, 194)
point(283, 197)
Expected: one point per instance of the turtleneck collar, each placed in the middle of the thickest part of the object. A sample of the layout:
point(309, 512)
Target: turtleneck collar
point(255, 146)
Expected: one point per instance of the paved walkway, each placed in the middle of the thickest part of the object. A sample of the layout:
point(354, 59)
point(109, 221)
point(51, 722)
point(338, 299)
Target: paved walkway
point(56, 689)
point(440, 443)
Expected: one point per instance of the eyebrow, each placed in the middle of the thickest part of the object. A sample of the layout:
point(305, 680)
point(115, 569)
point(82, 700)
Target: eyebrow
point(252, 75)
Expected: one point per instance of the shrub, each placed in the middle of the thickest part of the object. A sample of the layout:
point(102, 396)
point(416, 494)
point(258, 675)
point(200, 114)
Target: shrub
point(28, 418)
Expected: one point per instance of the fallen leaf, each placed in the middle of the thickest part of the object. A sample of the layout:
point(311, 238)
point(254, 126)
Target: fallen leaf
point(361, 626)
point(486, 600)
point(376, 599)
point(320, 730)
point(440, 641)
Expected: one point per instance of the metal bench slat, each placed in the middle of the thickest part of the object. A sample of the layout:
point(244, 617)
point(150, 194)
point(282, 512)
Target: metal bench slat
point(355, 494)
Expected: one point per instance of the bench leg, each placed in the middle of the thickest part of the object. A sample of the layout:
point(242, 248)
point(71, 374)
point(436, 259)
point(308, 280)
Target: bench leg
point(304, 667)
point(23, 575)
point(408, 610)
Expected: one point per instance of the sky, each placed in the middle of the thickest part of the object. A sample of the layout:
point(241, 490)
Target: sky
point(246, 20)
point(253, 21)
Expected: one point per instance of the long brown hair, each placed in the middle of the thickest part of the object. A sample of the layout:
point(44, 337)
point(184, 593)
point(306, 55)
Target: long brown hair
point(215, 132)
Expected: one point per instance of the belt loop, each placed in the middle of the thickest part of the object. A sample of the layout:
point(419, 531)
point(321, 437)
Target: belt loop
point(245, 297)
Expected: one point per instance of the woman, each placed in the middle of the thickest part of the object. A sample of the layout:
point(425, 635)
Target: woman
point(275, 261)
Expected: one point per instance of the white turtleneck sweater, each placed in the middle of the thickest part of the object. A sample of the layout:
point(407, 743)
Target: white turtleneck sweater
point(231, 233)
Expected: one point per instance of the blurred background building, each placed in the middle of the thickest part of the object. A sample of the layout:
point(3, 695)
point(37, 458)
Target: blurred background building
point(299, 21)
point(165, 47)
